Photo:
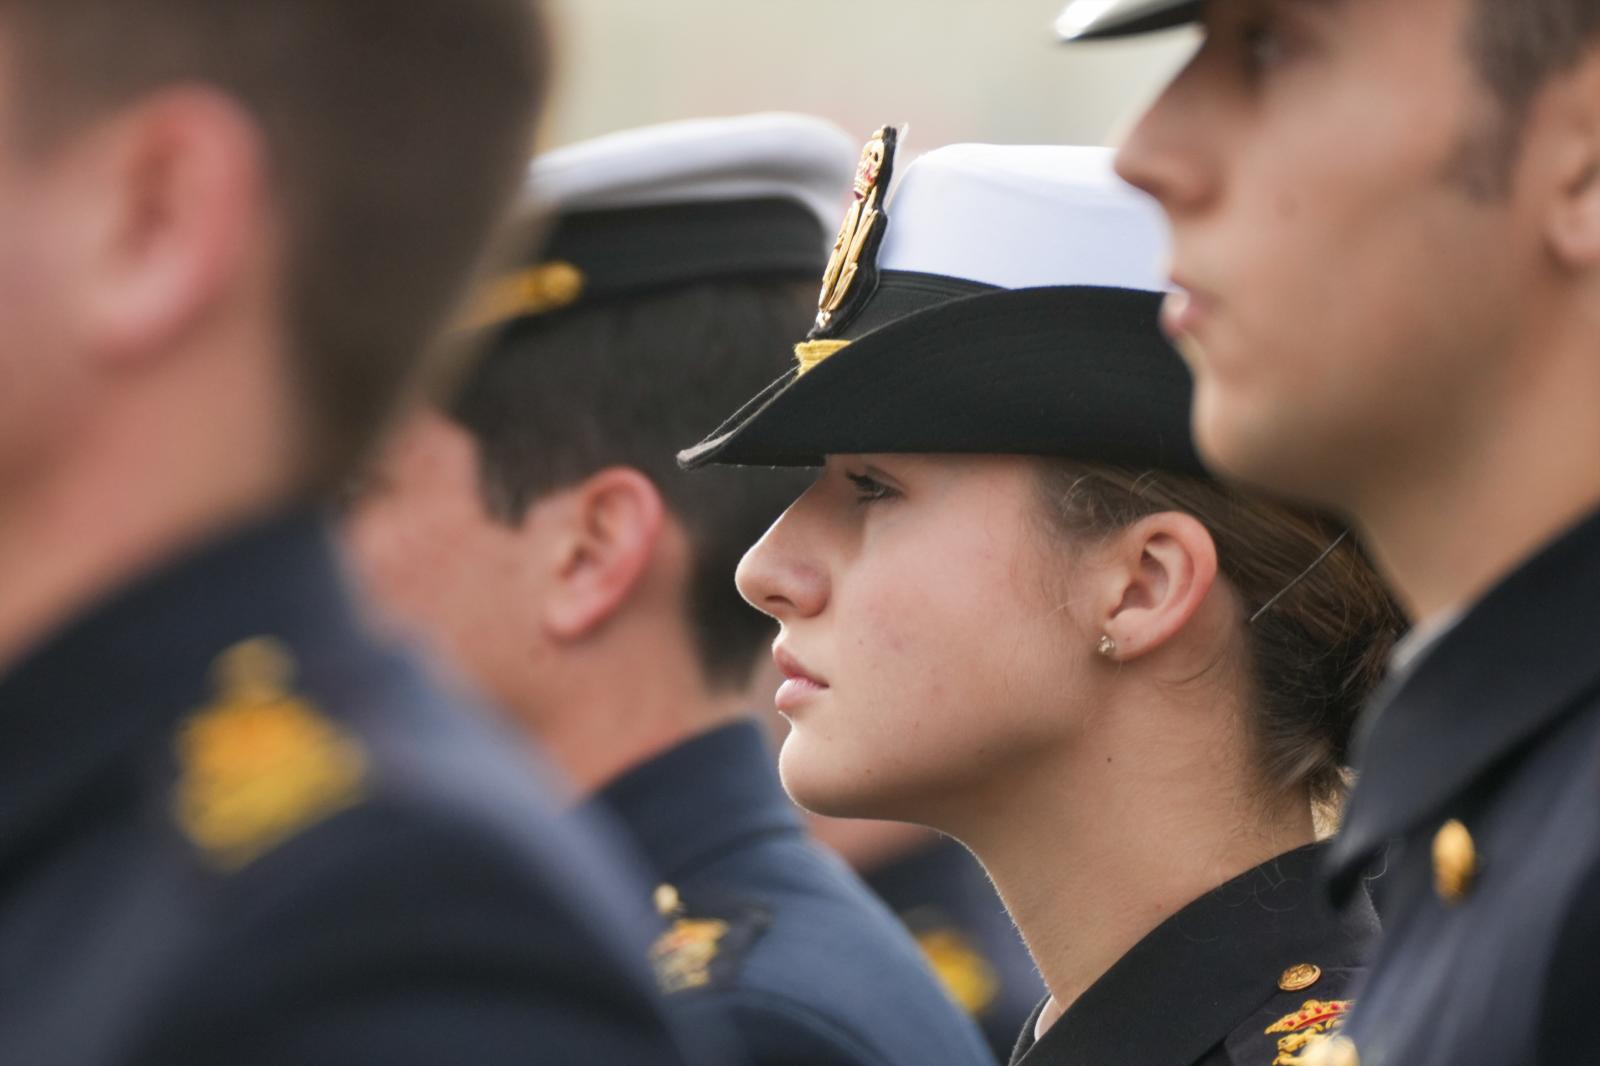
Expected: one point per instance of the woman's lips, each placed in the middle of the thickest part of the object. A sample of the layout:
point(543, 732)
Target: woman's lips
point(1184, 313)
point(796, 693)
point(800, 686)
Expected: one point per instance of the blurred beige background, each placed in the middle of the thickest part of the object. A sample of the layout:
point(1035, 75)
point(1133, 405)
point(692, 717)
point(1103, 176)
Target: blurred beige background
point(956, 70)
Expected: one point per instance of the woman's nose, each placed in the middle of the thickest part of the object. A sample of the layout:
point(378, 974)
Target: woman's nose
point(779, 577)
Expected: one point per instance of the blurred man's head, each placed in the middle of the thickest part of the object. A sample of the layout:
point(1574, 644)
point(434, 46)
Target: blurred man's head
point(538, 529)
point(1387, 224)
point(275, 200)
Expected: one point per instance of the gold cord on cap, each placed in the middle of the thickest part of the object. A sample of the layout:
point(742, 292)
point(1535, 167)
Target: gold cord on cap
point(537, 290)
point(811, 354)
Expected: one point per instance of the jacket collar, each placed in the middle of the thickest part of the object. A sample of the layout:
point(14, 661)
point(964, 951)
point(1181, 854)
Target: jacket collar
point(141, 659)
point(694, 803)
point(1507, 672)
point(1191, 981)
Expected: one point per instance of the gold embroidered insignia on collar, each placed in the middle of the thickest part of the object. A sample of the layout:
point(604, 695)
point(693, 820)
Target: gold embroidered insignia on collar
point(961, 968)
point(853, 235)
point(259, 764)
point(1310, 1030)
point(682, 956)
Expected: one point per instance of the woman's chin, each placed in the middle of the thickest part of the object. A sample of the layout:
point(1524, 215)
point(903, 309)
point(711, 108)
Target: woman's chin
point(837, 792)
point(825, 789)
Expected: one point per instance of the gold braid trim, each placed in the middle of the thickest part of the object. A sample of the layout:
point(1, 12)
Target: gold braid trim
point(812, 353)
point(526, 294)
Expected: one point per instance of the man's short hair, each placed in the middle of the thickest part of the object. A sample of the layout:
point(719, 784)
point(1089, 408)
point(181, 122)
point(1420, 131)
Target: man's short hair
point(1519, 45)
point(394, 132)
point(626, 382)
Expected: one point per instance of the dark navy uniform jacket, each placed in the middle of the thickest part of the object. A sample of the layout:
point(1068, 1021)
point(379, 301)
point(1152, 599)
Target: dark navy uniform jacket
point(1257, 972)
point(233, 830)
point(770, 930)
point(1482, 765)
point(945, 898)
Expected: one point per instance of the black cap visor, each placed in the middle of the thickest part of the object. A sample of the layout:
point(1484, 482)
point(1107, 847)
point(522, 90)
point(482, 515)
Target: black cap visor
point(1079, 372)
point(1130, 19)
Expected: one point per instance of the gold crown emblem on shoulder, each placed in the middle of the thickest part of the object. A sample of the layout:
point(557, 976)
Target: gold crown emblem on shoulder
point(1311, 1030)
point(260, 764)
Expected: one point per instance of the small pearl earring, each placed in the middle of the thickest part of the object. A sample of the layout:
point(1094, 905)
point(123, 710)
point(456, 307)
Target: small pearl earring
point(1107, 646)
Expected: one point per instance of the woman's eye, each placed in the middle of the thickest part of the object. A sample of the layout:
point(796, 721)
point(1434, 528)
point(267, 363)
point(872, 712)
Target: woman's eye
point(869, 489)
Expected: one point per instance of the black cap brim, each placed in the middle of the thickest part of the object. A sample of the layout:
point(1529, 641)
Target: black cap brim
point(1078, 372)
point(1127, 18)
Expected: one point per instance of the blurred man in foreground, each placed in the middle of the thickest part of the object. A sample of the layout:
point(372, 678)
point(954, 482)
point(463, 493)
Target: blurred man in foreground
point(1387, 228)
point(543, 536)
point(234, 829)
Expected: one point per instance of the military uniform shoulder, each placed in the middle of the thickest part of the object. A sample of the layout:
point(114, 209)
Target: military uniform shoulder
point(261, 762)
point(785, 919)
point(1300, 1024)
point(809, 980)
point(351, 767)
point(704, 949)
point(700, 965)
point(297, 817)
point(282, 747)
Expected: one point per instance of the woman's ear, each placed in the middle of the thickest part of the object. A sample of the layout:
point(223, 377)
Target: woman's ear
point(1160, 571)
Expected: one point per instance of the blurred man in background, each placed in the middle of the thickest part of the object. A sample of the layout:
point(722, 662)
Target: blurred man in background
point(1386, 220)
point(235, 829)
point(540, 532)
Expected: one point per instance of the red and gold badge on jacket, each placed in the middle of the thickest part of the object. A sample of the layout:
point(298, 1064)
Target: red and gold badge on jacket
point(1308, 1029)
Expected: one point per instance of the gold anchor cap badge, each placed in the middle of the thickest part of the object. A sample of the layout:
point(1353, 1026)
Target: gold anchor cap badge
point(859, 224)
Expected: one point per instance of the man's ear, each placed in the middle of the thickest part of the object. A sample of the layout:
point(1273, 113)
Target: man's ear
point(612, 527)
point(178, 223)
point(1160, 571)
point(1568, 120)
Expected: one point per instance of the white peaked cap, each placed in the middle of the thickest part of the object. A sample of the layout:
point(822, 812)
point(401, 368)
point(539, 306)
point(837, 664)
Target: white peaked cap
point(747, 157)
point(1024, 216)
point(1002, 301)
point(684, 202)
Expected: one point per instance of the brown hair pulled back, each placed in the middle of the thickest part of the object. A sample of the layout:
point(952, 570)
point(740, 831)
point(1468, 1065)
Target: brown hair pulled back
point(1314, 656)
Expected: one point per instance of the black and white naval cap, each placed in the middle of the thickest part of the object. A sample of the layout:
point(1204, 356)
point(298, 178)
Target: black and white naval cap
point(995, 299)
point(1092, 19)
point(698, 200)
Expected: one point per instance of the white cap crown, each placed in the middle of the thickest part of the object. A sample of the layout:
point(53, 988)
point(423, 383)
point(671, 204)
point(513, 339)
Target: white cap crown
point(747, 157)
point(1024, 217)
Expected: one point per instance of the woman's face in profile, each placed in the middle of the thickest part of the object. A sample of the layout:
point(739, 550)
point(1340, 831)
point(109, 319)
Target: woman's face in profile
point(929, 632)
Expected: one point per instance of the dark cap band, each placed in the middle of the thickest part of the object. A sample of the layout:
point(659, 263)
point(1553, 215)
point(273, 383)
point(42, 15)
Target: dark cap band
point(590, 256)
point(1073, 371)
